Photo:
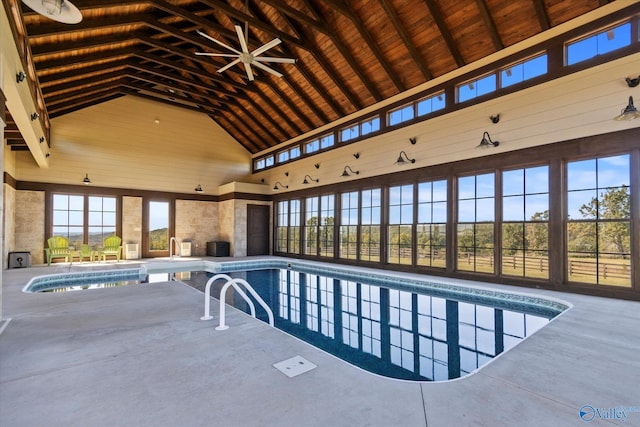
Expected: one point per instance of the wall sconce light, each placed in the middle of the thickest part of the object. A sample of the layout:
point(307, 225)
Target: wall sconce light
point(281, 186)
point(486, 141)
point(310, 179)
point(629, 112)
point(317, 165)
point(495, 119)
point(47, 155)
point(20, 77)
point(356, 155)
point(413, 140)
point(86, 180)
point(41, 139)
point(286, 173)
point(632, 82)
point(34, 116)
point(345, 173)
point(198, 188)
point(402, 160)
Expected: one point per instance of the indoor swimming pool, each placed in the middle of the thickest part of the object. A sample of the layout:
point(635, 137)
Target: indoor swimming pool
point(388, 324)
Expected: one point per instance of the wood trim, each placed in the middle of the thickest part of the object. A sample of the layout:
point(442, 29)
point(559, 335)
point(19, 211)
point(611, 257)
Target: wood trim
point(9, 180)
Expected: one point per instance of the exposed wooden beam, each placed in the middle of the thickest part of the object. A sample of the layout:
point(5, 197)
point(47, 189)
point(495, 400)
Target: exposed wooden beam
point(541, 13)
point(350, 13)
point(434, 10)
point(490, 24)
point(406, 39)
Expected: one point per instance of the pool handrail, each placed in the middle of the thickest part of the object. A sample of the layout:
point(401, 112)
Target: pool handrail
point(222, 326)
point(207, 296)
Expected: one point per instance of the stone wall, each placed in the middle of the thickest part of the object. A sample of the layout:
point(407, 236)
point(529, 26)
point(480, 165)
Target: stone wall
point(29, 224)
point(226, 221)
point(131, 223)
point(196, 222)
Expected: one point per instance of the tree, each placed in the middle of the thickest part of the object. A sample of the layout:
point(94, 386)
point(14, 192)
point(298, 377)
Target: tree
point(613, 204)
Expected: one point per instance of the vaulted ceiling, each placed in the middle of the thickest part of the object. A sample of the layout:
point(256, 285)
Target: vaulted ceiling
point(350, 54)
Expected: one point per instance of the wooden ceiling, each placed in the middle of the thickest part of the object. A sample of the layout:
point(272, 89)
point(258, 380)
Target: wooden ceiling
point(350, 54)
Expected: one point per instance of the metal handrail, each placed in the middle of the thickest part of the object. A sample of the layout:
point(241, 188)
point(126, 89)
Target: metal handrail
point(222, 326)
point(207, 296)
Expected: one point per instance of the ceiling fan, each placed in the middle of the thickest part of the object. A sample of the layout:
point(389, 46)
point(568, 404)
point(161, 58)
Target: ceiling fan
point(58, 10)
point(245, 57)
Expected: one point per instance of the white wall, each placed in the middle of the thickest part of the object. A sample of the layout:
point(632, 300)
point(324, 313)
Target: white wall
point(119, 145)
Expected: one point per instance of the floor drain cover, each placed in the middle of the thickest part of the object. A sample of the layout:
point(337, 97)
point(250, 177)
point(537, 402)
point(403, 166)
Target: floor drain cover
point(295, 366)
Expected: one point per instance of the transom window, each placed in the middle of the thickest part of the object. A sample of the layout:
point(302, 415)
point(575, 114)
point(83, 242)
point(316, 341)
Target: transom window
point(599, 43)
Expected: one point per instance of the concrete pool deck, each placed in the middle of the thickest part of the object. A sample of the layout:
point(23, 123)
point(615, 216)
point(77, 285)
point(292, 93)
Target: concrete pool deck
point(140, 356)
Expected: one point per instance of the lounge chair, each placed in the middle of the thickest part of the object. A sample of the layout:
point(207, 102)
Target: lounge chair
point(111, 246)
point(58, 247)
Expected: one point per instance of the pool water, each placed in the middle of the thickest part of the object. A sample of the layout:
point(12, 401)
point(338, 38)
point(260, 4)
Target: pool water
point(402, 332)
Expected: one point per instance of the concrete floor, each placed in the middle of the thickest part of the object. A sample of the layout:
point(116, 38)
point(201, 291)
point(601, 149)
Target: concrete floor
point(140, 356)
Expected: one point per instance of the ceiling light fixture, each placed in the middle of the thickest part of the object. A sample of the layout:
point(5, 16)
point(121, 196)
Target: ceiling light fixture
point(20, 77)
point(402, 160)
point(310, 179)
point(628, 113)
point(198, 188)
point(58, 10)
point(278, 183)
point(86, 180)
point(486, 141)
point(345, 173)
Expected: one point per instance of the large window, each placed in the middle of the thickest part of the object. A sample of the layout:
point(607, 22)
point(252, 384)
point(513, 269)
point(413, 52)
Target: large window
point(431, 230)
point(282, 227)
point(370, 225)
point(68, 218)
point(598, 221)
point(319, 224)
point(349, 225)
point(288, 226)
point(399, 234)
point(83, 219)
point(525, 222)
point(311, 225)
point(476, 212)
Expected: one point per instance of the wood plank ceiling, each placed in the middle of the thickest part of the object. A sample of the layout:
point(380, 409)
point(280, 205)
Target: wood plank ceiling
point(350, 54)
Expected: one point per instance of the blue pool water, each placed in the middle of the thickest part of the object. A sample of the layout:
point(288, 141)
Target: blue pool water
point(401, 333)
point(399, 327)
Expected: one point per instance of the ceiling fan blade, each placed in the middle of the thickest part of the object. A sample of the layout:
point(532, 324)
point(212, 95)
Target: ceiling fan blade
point(271, 59)
point(229, 65)
point(247, 68)
point(226, 55)
point(207, 36)
point(243, 41)
point(267, 69)
point(266, 47)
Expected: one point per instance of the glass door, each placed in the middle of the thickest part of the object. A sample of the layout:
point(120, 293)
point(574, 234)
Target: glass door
point(157, 228)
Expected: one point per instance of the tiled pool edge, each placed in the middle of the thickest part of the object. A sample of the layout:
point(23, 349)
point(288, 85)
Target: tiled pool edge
point(504, 299)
